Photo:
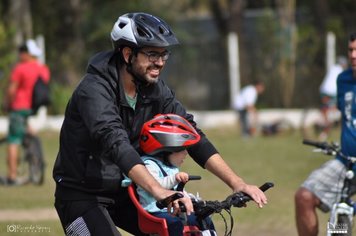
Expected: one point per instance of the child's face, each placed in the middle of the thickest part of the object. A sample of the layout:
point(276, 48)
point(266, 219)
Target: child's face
point(177, 158)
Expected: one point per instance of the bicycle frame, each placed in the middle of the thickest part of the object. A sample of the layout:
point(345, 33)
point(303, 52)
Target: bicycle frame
point(343, 211)
point(344, 207)
point(33, 158)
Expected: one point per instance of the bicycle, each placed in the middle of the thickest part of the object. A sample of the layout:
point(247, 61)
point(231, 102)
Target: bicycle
point(31, 168)
point(343, 211)
point(312, 125)
point(206, 208)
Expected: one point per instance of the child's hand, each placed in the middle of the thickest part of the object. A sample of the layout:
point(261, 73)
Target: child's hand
point(182, 177)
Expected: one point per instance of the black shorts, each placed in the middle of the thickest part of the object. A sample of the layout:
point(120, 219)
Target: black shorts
point(99, 217)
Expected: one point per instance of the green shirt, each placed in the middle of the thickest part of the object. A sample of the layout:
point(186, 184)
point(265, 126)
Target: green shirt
point(131, 101)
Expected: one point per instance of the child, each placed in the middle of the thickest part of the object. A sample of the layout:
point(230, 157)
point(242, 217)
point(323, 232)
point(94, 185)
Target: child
point(164, 140)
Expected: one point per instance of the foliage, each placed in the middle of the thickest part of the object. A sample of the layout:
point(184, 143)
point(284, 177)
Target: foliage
point(7, 60)
point(75, 30)
point(60, 95)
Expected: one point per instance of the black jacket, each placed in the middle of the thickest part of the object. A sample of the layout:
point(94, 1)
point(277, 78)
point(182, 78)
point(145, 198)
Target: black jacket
point(99, 135)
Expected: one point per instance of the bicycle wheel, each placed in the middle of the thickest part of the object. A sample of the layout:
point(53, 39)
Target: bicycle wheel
point(343, 223)
point(34, 157)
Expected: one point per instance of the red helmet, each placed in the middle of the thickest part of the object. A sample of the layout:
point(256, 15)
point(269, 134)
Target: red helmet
point(167, 132)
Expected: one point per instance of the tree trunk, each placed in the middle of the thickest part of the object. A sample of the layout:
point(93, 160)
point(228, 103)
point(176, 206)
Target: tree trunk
point(19, 21)
point(287, 46)
point(71, 41)
point(231, 20)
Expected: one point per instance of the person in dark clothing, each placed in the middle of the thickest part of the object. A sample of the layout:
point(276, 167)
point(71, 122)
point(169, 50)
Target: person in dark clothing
point(99, 138)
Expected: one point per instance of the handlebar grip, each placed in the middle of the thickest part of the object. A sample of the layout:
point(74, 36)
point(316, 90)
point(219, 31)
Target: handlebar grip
point(166, 201)
point(181, 185)
point(322, 145)
point(266, 186)
point(194, 177)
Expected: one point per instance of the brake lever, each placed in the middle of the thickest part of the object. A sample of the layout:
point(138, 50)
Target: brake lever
point(166, 201)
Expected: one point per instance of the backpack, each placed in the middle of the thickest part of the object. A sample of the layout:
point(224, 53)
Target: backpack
point(40, 95)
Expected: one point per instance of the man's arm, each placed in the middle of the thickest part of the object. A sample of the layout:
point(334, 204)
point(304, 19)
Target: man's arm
point(218, 167)
point(205, 154)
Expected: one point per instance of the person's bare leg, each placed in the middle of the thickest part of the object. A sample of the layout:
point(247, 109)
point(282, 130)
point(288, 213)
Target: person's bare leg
point(12, 155)
point(305, 209)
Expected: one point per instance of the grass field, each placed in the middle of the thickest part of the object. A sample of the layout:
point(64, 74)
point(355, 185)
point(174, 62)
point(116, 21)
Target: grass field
point(280, 159)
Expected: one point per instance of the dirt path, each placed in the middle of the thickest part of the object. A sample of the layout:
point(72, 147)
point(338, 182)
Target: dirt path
point(37, 214)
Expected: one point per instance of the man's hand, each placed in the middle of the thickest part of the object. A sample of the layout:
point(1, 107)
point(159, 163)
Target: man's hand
point(255, 193)
point(174, 207)
point(187, 203)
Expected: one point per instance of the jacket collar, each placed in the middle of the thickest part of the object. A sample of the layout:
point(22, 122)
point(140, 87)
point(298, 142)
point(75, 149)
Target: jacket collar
point(105, 64)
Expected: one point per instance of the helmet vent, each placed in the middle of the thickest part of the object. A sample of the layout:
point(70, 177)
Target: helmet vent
point(141, 32)
point(163, 30)
point(122, 25)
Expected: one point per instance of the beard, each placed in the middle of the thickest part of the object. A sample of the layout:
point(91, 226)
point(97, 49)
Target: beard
point(147, 75)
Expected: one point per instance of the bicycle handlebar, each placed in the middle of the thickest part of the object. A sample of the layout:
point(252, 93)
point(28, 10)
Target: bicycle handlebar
point(332, 149)
point(165, 202)
point(181, 185)
point(327, 148)
point(203, 209)
point(194, 177)
point(322, 145)
point(206, 208)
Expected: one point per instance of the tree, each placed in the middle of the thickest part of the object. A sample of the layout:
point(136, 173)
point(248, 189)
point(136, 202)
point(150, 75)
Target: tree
point(18, 19)
point(232, 18)
point(287, 46)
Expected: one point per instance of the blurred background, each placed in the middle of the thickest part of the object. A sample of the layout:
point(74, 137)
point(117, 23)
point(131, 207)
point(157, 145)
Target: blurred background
point(224, 45)
point(282, 42)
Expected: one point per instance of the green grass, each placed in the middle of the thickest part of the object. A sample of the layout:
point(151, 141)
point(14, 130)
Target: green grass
point(282, 160)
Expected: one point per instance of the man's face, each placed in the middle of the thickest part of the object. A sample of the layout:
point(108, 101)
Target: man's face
point(24, 56)
point(352, 54)
point(149, 63)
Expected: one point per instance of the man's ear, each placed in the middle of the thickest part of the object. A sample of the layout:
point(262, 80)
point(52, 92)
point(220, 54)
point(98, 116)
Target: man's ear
point(126, 53)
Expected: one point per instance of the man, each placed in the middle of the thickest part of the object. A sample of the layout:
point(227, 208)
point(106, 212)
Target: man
point(321, 188)
point(19, 99)
point(328, 94)
point(244, 104)
point(99, 139)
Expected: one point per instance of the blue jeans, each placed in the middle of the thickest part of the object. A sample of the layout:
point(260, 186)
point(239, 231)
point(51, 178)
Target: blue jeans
point(176, 225)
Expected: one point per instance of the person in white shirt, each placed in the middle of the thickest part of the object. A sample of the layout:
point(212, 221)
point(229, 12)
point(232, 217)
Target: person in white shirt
point(244, 104)
point(328, 93)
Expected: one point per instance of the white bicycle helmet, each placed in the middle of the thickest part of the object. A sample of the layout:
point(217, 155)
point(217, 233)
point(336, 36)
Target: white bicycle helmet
point(142, 30)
